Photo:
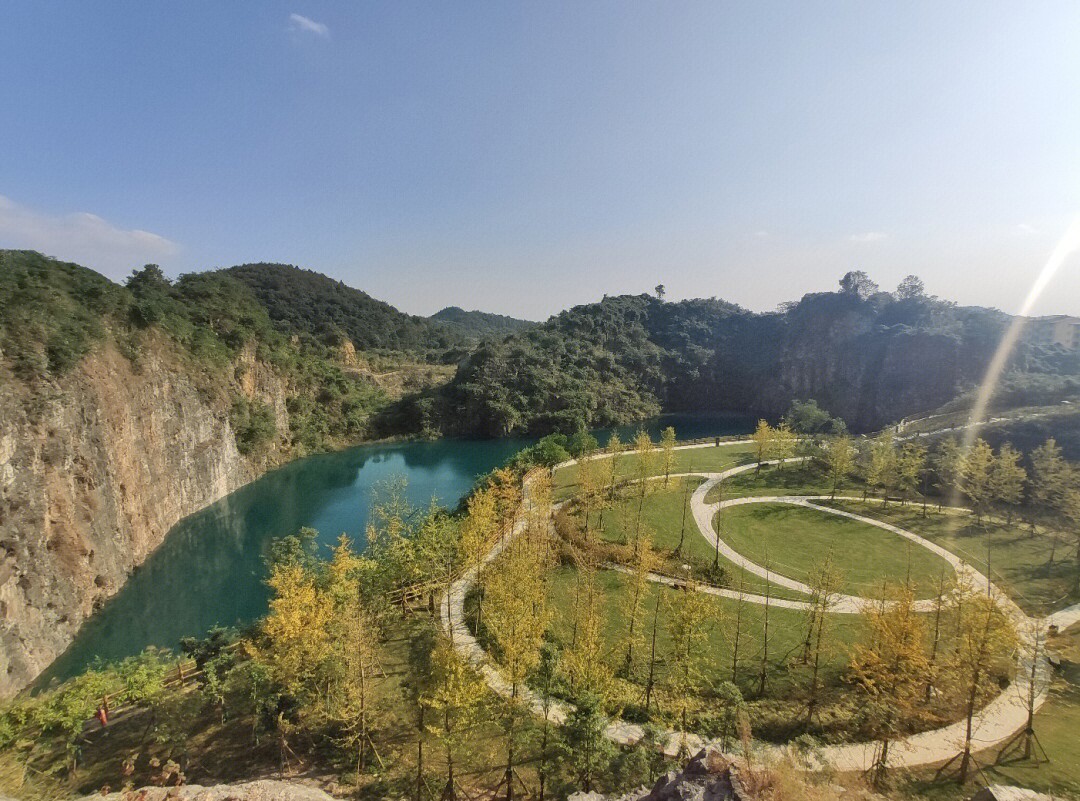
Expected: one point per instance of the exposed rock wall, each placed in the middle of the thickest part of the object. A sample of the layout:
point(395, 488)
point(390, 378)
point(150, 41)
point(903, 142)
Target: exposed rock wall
point(94, 470)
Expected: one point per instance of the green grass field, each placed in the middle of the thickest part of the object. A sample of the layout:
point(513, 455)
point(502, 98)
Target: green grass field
point(797, 478)
point(707, 459)
point(787, 629)
point(1019, 561)
point(663, 515)
point(795, 539)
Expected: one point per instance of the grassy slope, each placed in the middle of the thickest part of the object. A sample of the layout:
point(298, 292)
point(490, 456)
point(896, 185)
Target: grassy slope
point(1018, 559)
point(792, 479)
point(795, 539)
point(777, 714)
point(706, 460)
point(663, 515)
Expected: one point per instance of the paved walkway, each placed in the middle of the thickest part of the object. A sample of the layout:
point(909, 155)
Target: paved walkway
point(1002, 717)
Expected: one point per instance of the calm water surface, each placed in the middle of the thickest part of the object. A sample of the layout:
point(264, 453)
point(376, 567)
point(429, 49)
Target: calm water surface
point(211, 567)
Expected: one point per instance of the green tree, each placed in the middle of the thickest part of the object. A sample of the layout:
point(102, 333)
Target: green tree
point(975, 476)
point(911, 463)
point(1007, 479)
point(667, 452)
point(840, 462)
point(587, 750)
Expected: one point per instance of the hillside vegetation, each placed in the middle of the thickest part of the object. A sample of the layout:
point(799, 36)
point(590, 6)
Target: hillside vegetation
point(304, 301)
point(867, 356)
point(53, 313)
point(478, 324)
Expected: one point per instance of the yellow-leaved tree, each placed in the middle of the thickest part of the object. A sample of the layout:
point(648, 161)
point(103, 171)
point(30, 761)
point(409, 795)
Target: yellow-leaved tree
point(890, 667)
point(517, 618)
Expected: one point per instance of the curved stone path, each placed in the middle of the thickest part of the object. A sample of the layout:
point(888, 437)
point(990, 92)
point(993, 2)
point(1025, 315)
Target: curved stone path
point(999, 719)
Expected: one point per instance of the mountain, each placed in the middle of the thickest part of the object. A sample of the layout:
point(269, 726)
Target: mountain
point(305, 302)
point(478, 325)
point(126, 408)
point(868, 357)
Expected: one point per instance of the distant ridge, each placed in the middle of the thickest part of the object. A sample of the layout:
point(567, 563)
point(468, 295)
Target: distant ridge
point(478, 324)
point(304, 301)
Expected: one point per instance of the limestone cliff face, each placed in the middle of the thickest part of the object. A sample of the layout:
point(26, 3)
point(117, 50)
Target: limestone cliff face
point(95, 468)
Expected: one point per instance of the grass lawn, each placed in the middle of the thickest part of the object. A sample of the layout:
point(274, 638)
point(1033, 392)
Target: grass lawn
point(794, 539)
point(709, 459)
point(787, 629)
point(1019, 561)
point(663, 515)
point(775, 715)
point(799, 478)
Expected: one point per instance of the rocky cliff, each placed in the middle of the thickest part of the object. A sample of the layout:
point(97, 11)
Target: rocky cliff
point(95, 467)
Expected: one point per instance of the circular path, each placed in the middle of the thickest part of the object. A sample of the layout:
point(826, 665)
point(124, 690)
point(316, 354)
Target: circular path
point(999, 719)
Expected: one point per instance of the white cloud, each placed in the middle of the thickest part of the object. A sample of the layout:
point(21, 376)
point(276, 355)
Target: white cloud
point(762, 234)
point(81, 237)
point(869, 236)
point(1027, 229)
point(301, 24)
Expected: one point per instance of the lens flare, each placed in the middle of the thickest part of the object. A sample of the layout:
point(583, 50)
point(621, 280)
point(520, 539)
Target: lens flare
point(1069, 244)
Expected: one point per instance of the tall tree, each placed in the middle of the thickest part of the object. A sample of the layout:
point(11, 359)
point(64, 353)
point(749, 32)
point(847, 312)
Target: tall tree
point(478, 533)
point(588, 750)
point(614, 447)
point(975, 472)
point(583, 661)
point(985, 637)
point(883, 468)
point(1049, 479)
point(453, 697)
point(763, 443)
point(948, 461)
point(643, 560)
point(784, 442)
point(826, 581)
point(890, 667)
point(517, 619)
point(1007, 479)
point(840, 462)
point(910, 465)
point(667, 452)
point(644, 464)
point(690, 613)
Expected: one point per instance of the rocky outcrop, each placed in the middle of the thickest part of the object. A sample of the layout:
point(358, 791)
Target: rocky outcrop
point(263, 790)
point(95, 468)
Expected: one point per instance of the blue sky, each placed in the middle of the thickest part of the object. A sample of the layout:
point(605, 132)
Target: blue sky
point(524, 157)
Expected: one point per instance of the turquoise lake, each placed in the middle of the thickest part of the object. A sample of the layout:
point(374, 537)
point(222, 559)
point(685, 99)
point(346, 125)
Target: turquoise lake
point(211, 567)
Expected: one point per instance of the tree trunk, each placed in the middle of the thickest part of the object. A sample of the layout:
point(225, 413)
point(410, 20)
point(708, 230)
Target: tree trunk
point(652, 655)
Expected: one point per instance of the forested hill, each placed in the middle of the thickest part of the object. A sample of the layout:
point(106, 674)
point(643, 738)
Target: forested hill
point(233, 334)
point(299, 300)
point(869, 357)
point(477, 324)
